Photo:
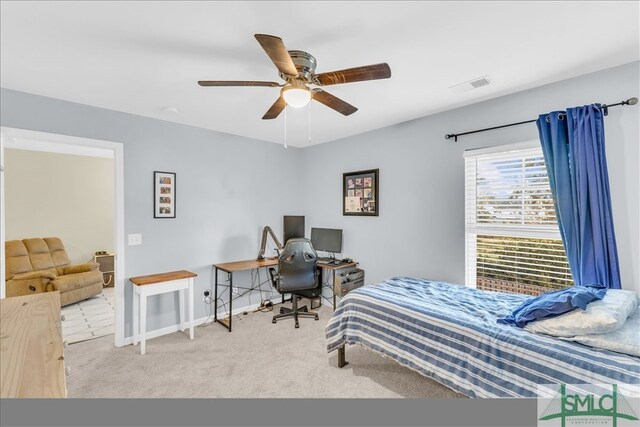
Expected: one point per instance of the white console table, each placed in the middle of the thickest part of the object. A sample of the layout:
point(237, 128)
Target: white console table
point(144, 286)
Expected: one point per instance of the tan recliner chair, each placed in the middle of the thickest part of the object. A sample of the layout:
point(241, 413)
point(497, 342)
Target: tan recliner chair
point(42, 265)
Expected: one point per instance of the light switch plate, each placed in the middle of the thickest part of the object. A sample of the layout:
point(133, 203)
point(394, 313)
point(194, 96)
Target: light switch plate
point(135, 239)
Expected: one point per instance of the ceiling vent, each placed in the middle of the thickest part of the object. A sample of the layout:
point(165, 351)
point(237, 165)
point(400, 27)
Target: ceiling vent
point(471, 84)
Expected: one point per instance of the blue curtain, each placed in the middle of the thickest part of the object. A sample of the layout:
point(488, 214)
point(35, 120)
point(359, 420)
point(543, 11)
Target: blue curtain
point(573, 147)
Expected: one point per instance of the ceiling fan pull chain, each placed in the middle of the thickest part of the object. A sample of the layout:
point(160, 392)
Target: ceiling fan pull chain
point(309, 107)
point(285, 127)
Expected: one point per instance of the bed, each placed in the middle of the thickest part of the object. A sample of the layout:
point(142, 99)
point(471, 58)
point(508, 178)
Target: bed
point(449, 333)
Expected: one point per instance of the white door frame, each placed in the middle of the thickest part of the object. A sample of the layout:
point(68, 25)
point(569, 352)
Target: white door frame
point(43, 141)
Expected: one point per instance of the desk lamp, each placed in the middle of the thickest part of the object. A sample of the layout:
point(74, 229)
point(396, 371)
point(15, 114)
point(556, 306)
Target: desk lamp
point(263, 244)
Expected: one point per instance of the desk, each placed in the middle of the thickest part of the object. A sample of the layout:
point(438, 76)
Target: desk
point(251, 264)
point(230, 268)
point(31, 348)
point(155, 284)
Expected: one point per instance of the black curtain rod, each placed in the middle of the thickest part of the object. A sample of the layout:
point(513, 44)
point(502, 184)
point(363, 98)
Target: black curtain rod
point(605, 110)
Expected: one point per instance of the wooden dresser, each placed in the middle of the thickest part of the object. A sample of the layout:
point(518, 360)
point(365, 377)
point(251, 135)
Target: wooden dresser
point(31, 349)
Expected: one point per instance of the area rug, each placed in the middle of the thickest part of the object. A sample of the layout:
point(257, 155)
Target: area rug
point(89, 319)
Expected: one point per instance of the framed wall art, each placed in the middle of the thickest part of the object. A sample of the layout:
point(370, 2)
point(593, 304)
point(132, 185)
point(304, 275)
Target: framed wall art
point(164, 205)
point(360, 193)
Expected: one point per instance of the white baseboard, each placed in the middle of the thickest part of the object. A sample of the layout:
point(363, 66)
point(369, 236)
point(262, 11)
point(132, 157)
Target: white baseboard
point(175, 328)
point(167, 330)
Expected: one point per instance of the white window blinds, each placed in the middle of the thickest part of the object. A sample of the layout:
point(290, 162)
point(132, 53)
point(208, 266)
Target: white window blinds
point(512, 236)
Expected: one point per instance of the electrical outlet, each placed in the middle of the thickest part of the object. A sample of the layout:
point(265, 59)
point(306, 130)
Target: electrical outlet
point(206, 295)
point(234, 290)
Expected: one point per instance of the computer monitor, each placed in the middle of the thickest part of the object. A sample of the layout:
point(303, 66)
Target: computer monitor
point(293, 226)
point(326, 239)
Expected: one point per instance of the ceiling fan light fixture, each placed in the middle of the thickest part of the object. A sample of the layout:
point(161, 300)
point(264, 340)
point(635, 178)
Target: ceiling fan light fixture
point(296, 96)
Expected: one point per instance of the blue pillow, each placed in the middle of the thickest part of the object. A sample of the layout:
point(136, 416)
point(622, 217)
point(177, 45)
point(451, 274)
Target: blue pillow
point(554, 304)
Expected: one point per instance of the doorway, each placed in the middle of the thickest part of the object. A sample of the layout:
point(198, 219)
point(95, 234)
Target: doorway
point(47, 143)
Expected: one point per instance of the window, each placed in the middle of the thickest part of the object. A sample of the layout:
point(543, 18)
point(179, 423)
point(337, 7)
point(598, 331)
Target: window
point(512, 239)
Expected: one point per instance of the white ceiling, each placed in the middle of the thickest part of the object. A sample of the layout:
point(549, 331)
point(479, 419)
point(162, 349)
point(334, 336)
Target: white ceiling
point(141, 57)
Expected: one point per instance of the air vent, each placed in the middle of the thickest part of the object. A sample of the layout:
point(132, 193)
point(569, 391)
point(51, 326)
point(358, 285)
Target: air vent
point(471, 84)
point(480, 82)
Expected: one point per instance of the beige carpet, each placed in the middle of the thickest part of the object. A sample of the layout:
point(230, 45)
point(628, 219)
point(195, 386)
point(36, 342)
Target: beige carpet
point(257, 360)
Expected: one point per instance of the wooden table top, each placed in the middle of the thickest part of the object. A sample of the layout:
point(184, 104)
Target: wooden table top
point(161, 277)
point(31, 349)
point(336, 267)
point(249, 264)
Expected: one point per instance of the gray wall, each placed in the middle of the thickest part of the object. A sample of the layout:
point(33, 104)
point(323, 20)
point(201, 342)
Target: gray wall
point(227, 189)
point(420, 230)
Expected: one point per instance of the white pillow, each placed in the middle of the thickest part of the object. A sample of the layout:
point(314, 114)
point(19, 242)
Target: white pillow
point(600, 317)
point(624, 340)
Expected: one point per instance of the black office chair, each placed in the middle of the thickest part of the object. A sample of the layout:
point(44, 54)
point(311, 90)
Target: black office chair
point(297, 276)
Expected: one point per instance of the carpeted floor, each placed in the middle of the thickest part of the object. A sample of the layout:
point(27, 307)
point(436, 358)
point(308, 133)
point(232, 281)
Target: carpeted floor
point(257, 360)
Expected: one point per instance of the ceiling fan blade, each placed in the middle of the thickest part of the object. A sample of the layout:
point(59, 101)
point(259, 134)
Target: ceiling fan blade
point(331, 101)
point(207, 83)
point(357, 74)
point(278, 53)
point(275, 109)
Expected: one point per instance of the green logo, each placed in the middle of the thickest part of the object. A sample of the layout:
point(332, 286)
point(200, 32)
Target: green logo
point(567, 405)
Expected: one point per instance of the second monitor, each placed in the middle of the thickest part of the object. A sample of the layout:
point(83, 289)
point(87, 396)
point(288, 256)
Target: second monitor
point(293, 226)
point(327, 239)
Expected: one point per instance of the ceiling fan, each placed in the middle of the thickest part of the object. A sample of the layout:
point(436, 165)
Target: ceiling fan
point(297, 69)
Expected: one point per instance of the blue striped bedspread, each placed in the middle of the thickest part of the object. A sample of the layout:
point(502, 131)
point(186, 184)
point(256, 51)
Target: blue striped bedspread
point(449, 333)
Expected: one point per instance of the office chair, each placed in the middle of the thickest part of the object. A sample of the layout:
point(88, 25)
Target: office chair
point(297, 276)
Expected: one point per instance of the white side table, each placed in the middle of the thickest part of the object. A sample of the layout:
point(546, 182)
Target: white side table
point(155, 284)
